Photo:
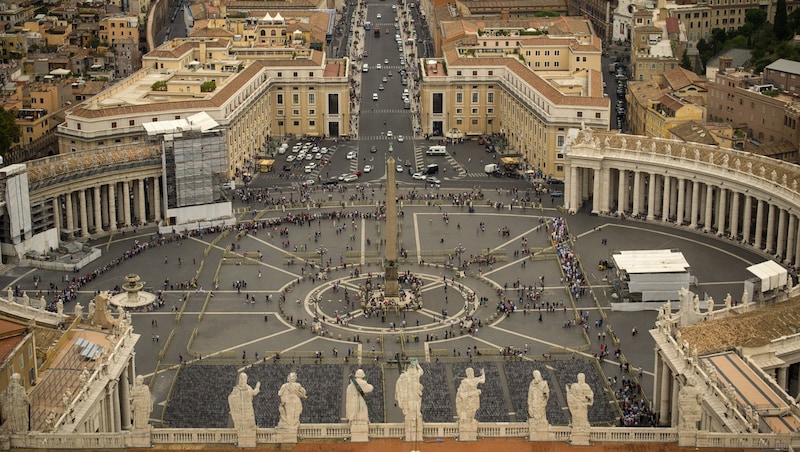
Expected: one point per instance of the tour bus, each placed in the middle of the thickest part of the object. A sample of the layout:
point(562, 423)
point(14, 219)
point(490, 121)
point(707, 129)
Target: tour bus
point(437, 150)
point(265, 165)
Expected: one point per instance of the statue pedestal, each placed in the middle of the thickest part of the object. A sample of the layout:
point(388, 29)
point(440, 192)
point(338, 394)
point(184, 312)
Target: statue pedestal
point(413, 431)
point(467, 430)
point(687, 438)
point(579, 436)
point(359, 432)
point(286, 434)
point(538, 431)
point(246, 438)
point(140, 438)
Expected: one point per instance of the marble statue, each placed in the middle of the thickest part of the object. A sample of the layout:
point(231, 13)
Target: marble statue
point(683, 152)
point(710, 305)
point(762, 171)
point(141, 403)
point(50, 421)
point(10, 295)
point(638, 145)
point(26, 300)
point(240, 402)
point(357, 391)
point(653, 147)
point(725, 160)
point(292, 395)
point(728, 301)
point(42, 303)
point(773, 175)
point(14, 405)
point(745, 297)
point(468, 397)
point(669, 149)
point(697, 154)
point(607, 142)
point(689, 405)
point(624, 143)
point(694, 354)
point(711, 158)
point(408, 392)
point(784, 179)
point(538, 395)
point(750, 167)
point(696, 303)
point(737, 164)
point(66, 399)
point(78, 310)
point(794, 184)
point(60, 307)
point(84, 377)
point(579, 397)
point(92, 308)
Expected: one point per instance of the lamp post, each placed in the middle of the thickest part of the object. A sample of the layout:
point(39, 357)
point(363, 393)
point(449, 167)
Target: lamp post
point(459, 250)
point(322, 251)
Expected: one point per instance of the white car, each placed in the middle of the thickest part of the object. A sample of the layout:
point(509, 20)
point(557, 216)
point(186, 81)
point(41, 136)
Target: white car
point(418, 176)
point(323, 151)
point(308, 169)
point(350, 178)
point(385, 80)
point(351, 155)
point(380, 87)
point(378, 66)
point(296, 148)
point(400, 138)
point(374, 96)
point(342, 176)
point(290, 158)
point(367, 168)
point(378, 16)
point(399, 168)
point(310, 157)
point(318, 156)
point(385, 61)
point(308, 182)
point(312, 165)
point(389, 134)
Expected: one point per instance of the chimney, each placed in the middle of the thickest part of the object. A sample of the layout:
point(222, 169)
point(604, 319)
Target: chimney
point(202, 52)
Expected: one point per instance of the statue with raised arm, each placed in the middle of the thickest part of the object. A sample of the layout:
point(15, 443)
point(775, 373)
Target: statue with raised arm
point(141, 403)
point(240, 402)
point(579, 397)
point(14, 406)
point(468, 397)
point(408, 394)
point(292, 395)
point(357, 391)
point(538, 395)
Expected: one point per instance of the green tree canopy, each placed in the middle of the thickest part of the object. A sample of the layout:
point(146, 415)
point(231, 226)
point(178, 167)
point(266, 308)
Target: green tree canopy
point(9, 132)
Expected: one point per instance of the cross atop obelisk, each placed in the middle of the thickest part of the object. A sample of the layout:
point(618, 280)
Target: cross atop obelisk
point(392, 287)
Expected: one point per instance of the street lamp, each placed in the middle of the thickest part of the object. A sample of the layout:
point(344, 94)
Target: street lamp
point(459, 250)
point(322, 251)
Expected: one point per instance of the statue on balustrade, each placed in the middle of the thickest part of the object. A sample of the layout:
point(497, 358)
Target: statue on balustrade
point(10, 295)
point(468, 397)
point(538, 395)
point(579, 397)
point(26, 300)
point(357, 390)
point(408, 393)
point(240, 402)
point(14, 406)
point(292, 395)
point(141, 403)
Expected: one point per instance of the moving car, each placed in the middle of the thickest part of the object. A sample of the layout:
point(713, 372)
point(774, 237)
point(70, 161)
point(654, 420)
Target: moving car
point(373, 150)
point(389, 134)
point(378, 16)
point(400, 138)
point(374, 96)
point(378, 66)
point(350, 178)
point(367, 168)
point(418, 176)
point(433, 181)
point(386, 60)
point(380, 87)
point(351, 155)
point(399, 168)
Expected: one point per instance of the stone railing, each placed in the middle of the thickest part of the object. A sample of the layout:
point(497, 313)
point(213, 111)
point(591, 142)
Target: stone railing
point(167, 436)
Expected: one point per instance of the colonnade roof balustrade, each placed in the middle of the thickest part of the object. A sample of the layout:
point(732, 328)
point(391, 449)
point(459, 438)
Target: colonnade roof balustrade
point(71, 167)
point(728, 164)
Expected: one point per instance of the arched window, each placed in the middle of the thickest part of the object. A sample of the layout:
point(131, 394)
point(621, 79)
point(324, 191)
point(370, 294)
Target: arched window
point(263, 32)
point(273, 33)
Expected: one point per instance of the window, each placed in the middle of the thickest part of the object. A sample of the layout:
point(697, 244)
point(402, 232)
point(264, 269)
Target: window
point(556, 52)
point(311, 74)
point(311, 112)
point(475, 73)
point(490, 111)
point(132, 122)
point(560, 140)
point(597, 115)
point(295, 112)
point(559, 156)
point(474, 122)
point(279, 112)
point(474, 111)
point(459, 98)
point(560, 168)
point(333, 104)
point(114, 124)
point(437, 99)
point(459, 121)
point(580, 114)
point(280, 74)
point(295, 98)
point(177, 117)
point(296, 123)
point(474, 98)
point(459, 111)
point(458, 72)
point(279, 100)
point(312, 123)
point(311, 99)
point(294, 74)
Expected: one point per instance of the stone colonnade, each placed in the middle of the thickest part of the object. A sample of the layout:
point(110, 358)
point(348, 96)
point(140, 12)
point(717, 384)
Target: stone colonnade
point(753, 206)
point(109, 206)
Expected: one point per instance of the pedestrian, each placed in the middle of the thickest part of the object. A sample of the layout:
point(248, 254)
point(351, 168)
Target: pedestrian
point(157, 337)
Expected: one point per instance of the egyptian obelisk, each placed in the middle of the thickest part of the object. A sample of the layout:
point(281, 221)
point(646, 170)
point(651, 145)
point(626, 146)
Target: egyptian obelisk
point(391, 286)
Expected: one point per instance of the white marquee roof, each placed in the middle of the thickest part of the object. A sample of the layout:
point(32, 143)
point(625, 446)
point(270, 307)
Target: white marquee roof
point(651, 261)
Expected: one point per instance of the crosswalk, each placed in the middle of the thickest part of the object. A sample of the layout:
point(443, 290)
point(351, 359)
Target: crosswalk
point(393, 111)
point(377, 138)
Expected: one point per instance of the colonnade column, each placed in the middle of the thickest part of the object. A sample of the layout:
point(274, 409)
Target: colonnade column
point(722, 214)
point(82, 212)
point(666, 200)
point(780, 249)
point(797, 247)
point(124, 399)
point(734, 214)
point(70, 219)
point(681, 201)
point(695, 204)
point(748, 218)
point(126, 202)
point(156, 200)
point(112, 206)
point(709, 206)
point(637, 186)
point(596, 195)
point(770, 245)
point(98, 218)
point(605, 184)
point(574, 189)
point(622, 191)
point(651, 197)
point(792, 235)
point(758, 232)
point(142, 209)
point(57, 213)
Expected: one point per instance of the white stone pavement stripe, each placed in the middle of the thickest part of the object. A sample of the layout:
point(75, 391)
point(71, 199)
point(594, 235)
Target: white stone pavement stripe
point(363, 239)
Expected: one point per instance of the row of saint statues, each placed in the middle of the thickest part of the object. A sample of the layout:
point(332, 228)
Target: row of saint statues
point(408, 394)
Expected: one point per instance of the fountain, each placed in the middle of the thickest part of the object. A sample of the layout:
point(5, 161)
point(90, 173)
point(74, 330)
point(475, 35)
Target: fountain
point(132, 295)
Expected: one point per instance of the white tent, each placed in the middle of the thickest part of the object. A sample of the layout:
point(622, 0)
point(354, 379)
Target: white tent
point(772, 275)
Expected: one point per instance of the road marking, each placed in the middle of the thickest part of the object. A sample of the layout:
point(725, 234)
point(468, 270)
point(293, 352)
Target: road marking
point(363, 240)
point(416, 237)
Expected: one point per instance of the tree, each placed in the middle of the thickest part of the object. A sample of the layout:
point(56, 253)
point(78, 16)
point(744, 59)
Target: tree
point(781, 26)
point(686, 63)
point(9, 132)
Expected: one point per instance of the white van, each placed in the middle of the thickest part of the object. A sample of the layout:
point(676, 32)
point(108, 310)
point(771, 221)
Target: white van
point(436, 150)
point(365, 68)
point(284, 147)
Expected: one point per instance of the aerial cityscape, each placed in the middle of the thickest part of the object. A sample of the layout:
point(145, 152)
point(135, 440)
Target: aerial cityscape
point(400, 225)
